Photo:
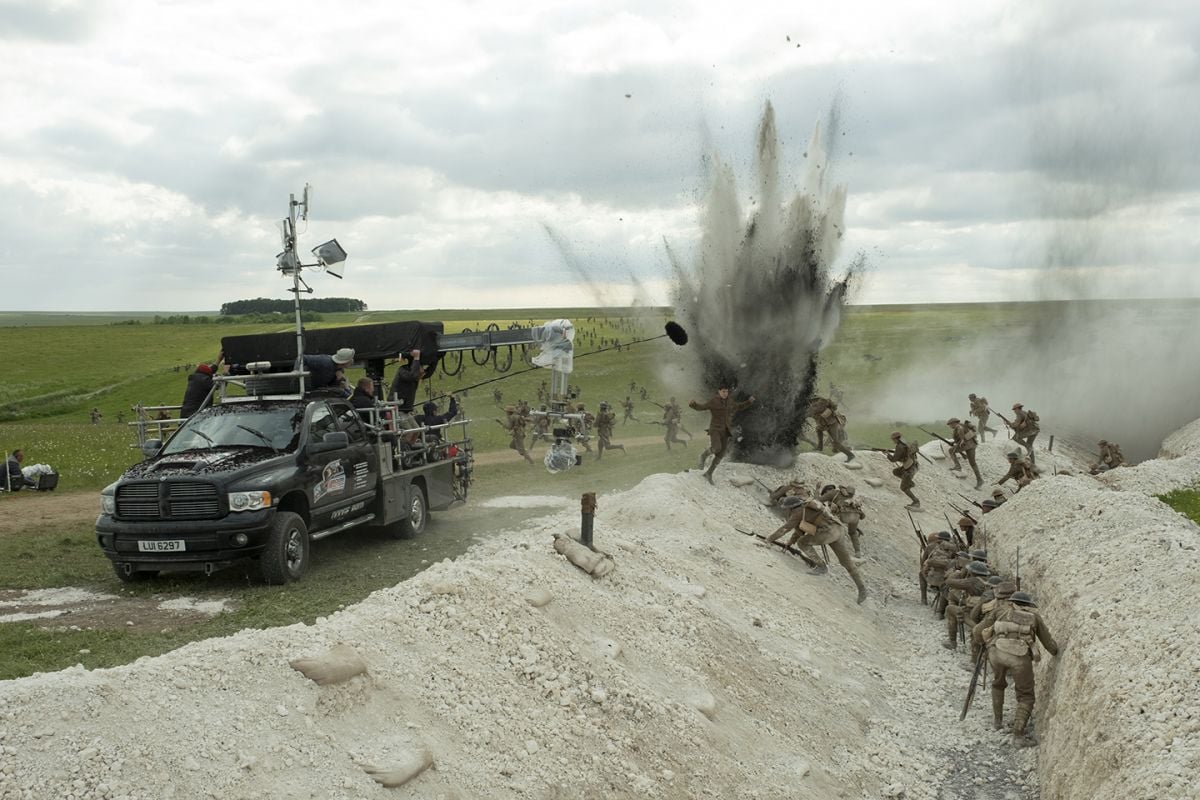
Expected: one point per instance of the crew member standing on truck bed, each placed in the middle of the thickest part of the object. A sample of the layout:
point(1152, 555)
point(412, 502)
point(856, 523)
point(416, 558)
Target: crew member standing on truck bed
point(322, 369)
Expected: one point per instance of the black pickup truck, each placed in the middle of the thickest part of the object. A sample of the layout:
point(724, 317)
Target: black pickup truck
point(262, 475)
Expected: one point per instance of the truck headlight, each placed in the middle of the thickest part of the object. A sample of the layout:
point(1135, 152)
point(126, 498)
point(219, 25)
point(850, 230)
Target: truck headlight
point(249, 501)
point(108, 499)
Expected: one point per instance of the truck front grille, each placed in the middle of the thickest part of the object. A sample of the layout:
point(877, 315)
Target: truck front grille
point(168, 500)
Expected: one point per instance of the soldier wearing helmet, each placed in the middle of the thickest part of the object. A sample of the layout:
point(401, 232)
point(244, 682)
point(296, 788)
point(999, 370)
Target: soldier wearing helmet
point(813, 524)
point(1012, 631)
point(964, 439)
point(516, 425)
point(981, 412)
point(847, 508)
point(1025, 428)
point(605, 421)
point(672, 419)
point(967, 526)
point(627, 404)
point(966, 590)
point(1110, 457)
point(1020, 469)
point(904, 455)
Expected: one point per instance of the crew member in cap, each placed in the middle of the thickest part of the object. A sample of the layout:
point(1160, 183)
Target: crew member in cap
point(199, 385)
point(720, 427)
point(323, 369)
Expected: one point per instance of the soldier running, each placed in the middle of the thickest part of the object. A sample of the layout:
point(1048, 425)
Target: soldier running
point(981, 412)
point(514, 423)
point(604, 430)
point(671, 421)
point(905, 456)
point(964, 444)
point(1025, 428)
point(628, 406)
point(847, 508)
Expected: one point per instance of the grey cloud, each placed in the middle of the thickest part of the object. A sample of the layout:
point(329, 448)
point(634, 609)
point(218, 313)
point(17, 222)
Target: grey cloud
point(40, 20)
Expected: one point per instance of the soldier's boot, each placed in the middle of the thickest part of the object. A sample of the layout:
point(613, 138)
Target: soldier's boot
point(915, 505)
point(951, 640)
point(978, 478)
point(528, 460)
point(620, 447)
point(862, 587)
point(704, 457)
point(819, 569)
point(997, 709)
point(1020, 721)
point(856, 543)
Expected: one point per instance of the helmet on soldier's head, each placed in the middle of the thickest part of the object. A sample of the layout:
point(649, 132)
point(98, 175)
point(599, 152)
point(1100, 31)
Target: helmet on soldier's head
point(944, 535)
point(815, 505)
point(1017, 405)
point(895, 434)
point(953, 421)
point(1004, 589)
point(829, 487)
point(961, 555)
point(1023, 599)
point(931, 537)
point(1102, 442)
point(603, 406)
point(965, 522)
point(1013, 456)
point(995, 580)
point(971, 396)
point(510, 409)
point(978, 568)
point(997, 492)
point(847, 490)
point(979, 554)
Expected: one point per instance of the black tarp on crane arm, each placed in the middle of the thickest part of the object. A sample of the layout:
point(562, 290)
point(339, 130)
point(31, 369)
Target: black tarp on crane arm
point(376, 342)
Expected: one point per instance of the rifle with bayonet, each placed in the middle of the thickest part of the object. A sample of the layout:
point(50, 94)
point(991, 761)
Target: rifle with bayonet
point(1018, 569)
point(920, 561)
point(954, 532)
point(783, 545)
point(979, 662)
point(936, 436)
point(889, 451)
point(969, 500)
point(1007, 424)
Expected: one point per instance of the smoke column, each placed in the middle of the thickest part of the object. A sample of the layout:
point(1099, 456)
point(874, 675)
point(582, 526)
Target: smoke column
point(759, 302)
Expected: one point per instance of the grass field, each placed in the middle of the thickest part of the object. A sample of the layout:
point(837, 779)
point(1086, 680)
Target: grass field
point(68, 369)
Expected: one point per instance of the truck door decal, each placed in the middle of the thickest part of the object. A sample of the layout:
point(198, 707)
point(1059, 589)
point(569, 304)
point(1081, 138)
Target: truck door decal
point(362, 476)
point(333, 480)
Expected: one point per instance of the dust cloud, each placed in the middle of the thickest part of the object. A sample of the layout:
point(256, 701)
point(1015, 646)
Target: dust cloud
point(759, 300)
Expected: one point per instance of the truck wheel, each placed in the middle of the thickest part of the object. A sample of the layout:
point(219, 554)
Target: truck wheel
point(418, 514)
point(286, 555)
point(134, 575)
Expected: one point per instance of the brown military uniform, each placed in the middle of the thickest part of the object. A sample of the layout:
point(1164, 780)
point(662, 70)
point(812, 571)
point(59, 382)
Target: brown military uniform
point(981, 412)
point(605, 421)
point(516, 425)
point(905, 457)
point(1021, 470)
point(670, 421)
point(1025, 429)
point(964, 439)
point(720, 426)
point(813, 524)
point(847, 508)
point(966, 591)
point(1012, 632)
point(1111, 457)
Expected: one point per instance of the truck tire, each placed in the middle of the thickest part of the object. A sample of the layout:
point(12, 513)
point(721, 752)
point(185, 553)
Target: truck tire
point(285, 558)
point(418, 514)
point(135, 575)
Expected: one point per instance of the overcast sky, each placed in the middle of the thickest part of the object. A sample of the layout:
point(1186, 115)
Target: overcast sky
point(149, 148)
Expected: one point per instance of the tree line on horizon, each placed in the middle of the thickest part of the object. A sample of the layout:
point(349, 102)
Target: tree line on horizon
point(269, 305)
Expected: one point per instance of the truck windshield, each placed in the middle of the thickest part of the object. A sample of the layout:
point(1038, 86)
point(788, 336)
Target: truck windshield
point(276, 427)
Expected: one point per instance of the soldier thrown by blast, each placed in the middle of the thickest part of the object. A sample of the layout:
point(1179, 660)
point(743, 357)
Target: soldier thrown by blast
point(720, 427)
point(905, 457)
point(605, 421)
point(1012, 631)
point(813, 524)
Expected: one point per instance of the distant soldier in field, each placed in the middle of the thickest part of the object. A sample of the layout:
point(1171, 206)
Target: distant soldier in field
point(964, 445)
point(96, 415)
point(904, 456)
point(813, 524)
point(497, 396)
point(628, 406)
point(981, 412)
point(1020, 469)
point(541, 426)
point(584, 429)
point(1110, 457)
point(605, 421)
point(1012, 631)
point(670, 420)
point(514, 423)
point(632, 386)
point(644, 393)
point(1025, 428)
point(721, 408)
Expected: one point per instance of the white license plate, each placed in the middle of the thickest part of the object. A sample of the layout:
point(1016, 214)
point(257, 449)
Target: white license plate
point(161, 546)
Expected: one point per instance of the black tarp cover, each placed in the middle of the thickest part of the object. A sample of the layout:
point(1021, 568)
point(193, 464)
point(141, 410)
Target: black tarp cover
point(383, 340)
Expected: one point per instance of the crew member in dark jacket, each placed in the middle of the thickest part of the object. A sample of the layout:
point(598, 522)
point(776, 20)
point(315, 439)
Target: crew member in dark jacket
point(199, 387)
point(404, 382)
point(323, 369)
point(363, 397)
